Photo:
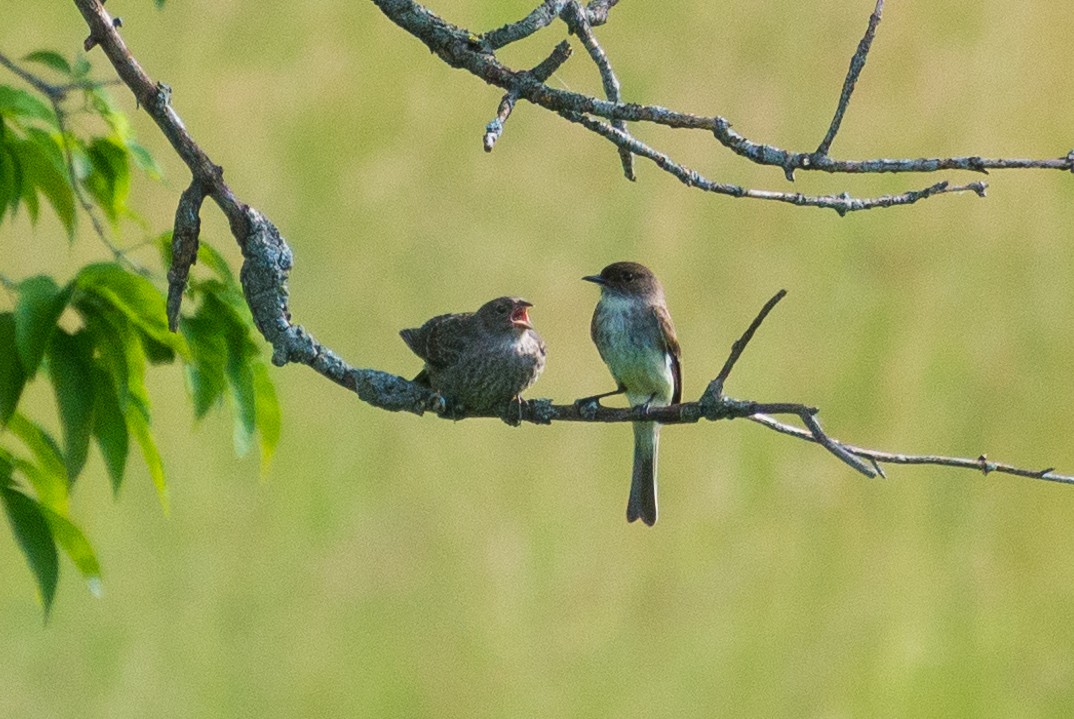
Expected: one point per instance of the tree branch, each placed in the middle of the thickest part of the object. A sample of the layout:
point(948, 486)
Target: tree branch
point(540, 73)
point(268, 261)
point(578, 23)
point(474, 53)
point(856, 64)
point(186, 233)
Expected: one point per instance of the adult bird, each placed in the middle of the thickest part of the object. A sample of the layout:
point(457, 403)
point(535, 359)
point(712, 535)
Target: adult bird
point(635, 337)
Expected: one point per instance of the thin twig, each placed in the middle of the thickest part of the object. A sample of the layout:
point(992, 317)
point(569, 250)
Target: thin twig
point(541, 72)
point(835, 447)
point(155, 99)
point(597, 11)
point(542, 16)
point(47, 89)
point(455, 46)
point(842, 203)
point(715, 388)
point(578, 23)
point(185, 236)
point(791, 161)
point(856, 64)
point(981, 464)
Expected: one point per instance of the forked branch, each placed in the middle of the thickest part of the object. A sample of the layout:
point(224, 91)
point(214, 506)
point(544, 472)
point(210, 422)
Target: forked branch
point(268, 261)
point(476, 53)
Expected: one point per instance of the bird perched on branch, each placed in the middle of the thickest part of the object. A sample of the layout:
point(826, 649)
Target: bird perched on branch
point(479, 361)
point(633, 332)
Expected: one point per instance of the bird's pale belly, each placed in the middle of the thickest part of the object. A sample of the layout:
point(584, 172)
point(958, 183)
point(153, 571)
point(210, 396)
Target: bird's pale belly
point(636, 361)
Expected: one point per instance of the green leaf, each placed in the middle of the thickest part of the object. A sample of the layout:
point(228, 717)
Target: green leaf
point(205, 335)
point(50, 59)
point(70, 364)
point(12, 376)
point(100, 101)
point(109, 427)
point(41, 302)
point(164, 246)
point(44, 170)
point(49, 475)
point(122, 356)
point(144, 160)
point(135, 297)
point(156, 352)
point(21, 105)
point(110, 179)
point(29, 194)
point(9, 184)
point(209, 257)
point(138, 424)
point(34, 537)
point(240, 379)
point(268, 414)
point(237, 370)
point(81, 67)
point(231, 317)
point(15, 176)
point(77, 548)
point(121, 352)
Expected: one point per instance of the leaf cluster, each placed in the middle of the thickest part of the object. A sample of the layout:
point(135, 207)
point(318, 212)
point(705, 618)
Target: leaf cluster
point(41, 157)
point(94, 338)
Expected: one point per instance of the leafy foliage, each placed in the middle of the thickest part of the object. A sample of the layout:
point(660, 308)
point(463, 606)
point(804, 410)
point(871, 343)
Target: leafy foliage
point(96, 335)
point(41, 157)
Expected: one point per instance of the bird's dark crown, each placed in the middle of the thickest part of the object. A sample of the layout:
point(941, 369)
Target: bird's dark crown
point(628, 277)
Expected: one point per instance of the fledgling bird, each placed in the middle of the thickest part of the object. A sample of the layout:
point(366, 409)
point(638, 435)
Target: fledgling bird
point(480, 360)
point(633, 332)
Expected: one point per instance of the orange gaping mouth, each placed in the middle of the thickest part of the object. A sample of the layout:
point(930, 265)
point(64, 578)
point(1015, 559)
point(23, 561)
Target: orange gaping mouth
point(520, 317)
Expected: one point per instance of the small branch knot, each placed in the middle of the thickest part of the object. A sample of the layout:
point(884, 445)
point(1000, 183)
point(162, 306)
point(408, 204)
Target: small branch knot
point(162, 97)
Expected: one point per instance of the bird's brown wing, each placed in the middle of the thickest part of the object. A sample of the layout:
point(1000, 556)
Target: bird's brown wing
point(441, 340)
point(671, 346)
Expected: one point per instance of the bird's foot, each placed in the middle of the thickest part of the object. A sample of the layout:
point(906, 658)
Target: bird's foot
point(588, 406)
point(512, 411)
point(450, 409)
point(436, 403)
point(644, 407)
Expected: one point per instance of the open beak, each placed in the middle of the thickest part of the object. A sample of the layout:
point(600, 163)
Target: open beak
point(596, 279)
point(520, 316)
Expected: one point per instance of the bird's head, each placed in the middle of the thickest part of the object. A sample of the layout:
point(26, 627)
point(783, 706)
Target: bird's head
point(627, 278)
point(505, 313)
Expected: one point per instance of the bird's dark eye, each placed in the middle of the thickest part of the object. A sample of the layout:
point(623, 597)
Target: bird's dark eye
point(628, 277)
point(503, 309)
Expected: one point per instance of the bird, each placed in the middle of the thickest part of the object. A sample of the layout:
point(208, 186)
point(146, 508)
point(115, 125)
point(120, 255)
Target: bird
point(479, 361)
point(635, 337)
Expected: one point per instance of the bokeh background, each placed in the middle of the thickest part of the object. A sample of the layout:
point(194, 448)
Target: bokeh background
point(397, 566)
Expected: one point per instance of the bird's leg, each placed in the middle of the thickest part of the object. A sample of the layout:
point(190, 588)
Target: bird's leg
point(588, 406)
point(436, 403)
point(513, 419)
point(595, 399)
point(647, 404)
point(451, 409)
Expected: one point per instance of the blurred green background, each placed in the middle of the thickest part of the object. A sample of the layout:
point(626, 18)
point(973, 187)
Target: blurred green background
point(397, 566)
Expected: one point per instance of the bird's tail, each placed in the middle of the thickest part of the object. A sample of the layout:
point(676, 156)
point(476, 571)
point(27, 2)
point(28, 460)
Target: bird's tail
point(642, 504)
